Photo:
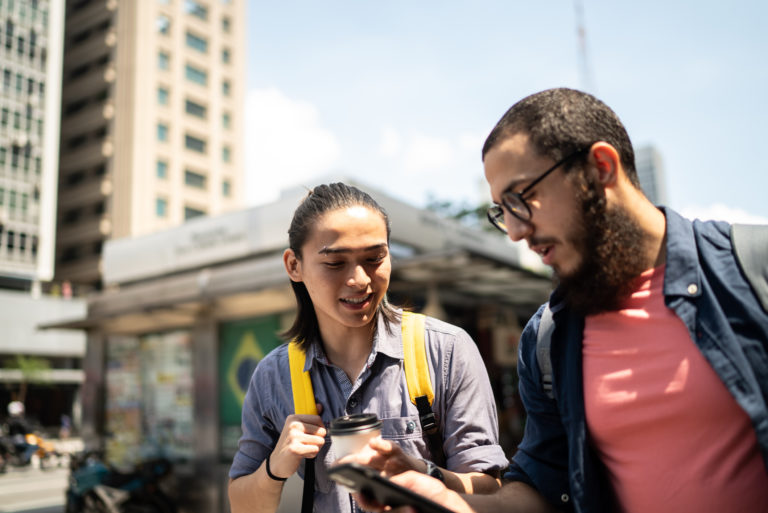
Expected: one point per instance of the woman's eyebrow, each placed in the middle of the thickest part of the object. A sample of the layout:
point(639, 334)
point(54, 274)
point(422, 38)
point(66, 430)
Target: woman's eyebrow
point(328, 251)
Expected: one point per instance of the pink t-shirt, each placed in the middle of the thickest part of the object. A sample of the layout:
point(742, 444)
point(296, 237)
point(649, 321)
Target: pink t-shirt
point(671, 435)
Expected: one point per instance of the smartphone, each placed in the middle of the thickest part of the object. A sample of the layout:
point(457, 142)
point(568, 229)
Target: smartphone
point(368, 482)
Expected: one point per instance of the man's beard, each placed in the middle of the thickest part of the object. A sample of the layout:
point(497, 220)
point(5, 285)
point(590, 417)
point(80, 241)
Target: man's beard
point(612, 245)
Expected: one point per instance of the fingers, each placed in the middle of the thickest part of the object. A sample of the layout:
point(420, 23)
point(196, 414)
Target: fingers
point(302, 437)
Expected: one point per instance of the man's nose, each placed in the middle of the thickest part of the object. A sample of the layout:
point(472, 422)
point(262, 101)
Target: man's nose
point(517, 229)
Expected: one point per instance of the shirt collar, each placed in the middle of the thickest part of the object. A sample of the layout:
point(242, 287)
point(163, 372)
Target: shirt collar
point(682, 276)
point(384, 342)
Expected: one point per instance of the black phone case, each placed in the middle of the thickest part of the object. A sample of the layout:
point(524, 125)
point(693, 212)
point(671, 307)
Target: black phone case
point(367, 481)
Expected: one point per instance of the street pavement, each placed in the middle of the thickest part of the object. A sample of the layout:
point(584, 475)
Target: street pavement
point(31, 490)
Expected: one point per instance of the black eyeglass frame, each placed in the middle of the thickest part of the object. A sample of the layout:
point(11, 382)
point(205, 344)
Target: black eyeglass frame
point(523, 211)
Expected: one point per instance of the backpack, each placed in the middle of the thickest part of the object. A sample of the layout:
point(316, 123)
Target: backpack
point(750, 245)
point(417, 377)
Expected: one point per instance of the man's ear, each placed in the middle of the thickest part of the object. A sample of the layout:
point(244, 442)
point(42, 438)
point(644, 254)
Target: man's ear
point(606, 160)
point(292, 265)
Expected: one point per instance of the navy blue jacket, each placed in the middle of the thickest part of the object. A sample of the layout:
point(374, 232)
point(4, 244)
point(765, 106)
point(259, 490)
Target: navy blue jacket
point(705, 287)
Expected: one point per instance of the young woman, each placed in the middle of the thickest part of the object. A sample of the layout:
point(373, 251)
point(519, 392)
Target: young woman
point(339, 266)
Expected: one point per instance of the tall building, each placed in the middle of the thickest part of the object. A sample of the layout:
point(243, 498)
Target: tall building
point(31, 34)
point(650, 171)
point(152, 108)
point(31, 44)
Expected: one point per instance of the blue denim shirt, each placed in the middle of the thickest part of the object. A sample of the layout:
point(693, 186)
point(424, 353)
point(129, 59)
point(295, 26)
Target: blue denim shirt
point(464, 405)
point(706, 289)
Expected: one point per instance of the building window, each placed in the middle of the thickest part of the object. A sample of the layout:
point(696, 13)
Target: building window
point(163, 60)
point(191, 213)
point(226, 120)
point(162, 95)
point(197, 180)
point(225, 56)
point(197, 43)
point(2, 197)
point(163, 24)
point(195, 109)
point(225, 88)
point(3, 154)
point(11, 241)
point(225, 24)
point(194, 143)
point(162, 169)
point(196, 9)
point(11, 200)
point(162, 132)
point(196, 75)
point(226, 154)
point(161, 207)
point(226, 188)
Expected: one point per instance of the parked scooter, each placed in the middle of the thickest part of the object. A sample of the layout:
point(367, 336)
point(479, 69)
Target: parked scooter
point(95, 487)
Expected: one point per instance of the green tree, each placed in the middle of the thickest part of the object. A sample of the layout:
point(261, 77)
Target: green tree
point(466, 213)
point(33, 370)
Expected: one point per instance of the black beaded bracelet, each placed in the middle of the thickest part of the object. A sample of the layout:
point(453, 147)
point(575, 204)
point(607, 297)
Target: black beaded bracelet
point(271, 475)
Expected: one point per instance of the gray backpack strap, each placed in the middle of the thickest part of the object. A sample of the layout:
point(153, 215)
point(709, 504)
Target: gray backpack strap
point(750, 245)
point(543, 344)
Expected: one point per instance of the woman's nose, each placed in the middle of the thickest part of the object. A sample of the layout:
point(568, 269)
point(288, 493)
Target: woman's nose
point(359, 277)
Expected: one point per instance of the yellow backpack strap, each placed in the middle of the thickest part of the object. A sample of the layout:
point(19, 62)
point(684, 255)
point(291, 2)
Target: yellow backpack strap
point(419, 382)
point(303, 394)
point(303, 403)
point(415, 362)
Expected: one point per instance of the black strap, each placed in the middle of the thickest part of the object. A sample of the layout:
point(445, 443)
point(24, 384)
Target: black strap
point(430, 428)
point(308, 497)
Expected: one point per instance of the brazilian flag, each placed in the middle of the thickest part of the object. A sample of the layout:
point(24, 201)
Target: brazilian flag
point(242, 345)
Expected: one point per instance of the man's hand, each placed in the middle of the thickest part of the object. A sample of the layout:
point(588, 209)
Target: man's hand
point(386, 457)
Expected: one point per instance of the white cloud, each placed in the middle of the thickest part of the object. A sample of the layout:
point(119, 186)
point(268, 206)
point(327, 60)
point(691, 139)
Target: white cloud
point(391, 143)
point(426, 154)
point(720, 212)
point(285, 144)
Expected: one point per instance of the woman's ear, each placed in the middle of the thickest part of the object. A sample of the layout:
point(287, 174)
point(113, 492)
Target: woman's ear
point(292, 265)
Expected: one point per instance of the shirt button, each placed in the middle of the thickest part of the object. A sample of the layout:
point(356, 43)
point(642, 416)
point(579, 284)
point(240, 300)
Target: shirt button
point(692, 289)
point(353, 402)
point(564, 497)
point(410, 427)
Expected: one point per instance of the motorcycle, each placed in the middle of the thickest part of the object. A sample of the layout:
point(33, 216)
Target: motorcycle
point(96, 487)
point(19, 450)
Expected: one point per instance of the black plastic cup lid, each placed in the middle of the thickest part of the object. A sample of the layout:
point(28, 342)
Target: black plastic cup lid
point(349, 424)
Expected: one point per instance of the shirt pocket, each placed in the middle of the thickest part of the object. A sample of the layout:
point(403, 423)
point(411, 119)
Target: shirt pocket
point(405, 432)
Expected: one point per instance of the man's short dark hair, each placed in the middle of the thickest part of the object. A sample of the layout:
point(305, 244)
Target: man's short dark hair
point(562, 121)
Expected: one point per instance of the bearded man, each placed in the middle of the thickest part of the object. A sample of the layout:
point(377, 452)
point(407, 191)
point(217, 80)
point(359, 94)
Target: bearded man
point(659, 351)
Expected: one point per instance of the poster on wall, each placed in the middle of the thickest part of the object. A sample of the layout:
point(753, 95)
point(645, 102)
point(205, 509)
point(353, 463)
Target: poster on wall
point(149, 404)
point(242, 344)
point(123, 400)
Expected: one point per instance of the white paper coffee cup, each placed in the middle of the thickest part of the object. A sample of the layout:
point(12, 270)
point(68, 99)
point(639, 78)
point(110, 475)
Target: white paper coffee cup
point(351, 433)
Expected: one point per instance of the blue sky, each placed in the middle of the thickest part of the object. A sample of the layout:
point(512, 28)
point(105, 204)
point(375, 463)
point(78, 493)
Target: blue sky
point(401, 94)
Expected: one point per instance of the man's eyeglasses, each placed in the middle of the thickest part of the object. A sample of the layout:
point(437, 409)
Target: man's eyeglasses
point(515, 202)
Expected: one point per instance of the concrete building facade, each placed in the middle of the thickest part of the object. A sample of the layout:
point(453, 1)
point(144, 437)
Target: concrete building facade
point(152, 122)
point(31, 35)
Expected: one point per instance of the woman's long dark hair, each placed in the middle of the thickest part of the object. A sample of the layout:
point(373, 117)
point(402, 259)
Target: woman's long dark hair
point(321, 200)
